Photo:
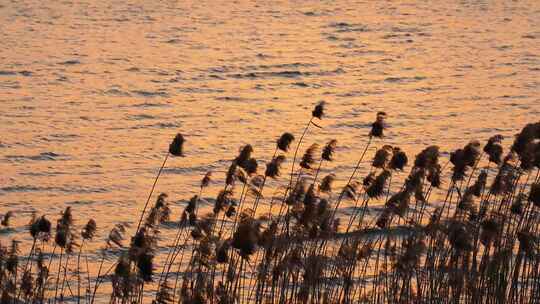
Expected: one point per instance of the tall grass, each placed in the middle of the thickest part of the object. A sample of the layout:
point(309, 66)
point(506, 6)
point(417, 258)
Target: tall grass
point(473, 238)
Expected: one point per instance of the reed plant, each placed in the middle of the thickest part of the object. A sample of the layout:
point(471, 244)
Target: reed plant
point(457, 229)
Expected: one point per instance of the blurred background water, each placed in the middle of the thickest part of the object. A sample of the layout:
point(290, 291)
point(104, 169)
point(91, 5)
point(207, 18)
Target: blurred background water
point(92, 92)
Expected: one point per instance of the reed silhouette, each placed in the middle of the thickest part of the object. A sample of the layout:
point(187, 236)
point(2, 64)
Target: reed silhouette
point(460, 230)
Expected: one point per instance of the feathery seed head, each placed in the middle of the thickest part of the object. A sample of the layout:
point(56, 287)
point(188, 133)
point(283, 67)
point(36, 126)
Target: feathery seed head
point(284, 142)
point(176, 147)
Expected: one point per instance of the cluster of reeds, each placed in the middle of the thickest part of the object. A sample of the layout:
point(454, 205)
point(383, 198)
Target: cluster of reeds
point(465, 229)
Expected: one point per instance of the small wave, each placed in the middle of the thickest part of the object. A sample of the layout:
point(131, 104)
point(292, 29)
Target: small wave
point(301, 84)
point(66, 189)
point(116, 92)
point(230, 98)
point(287, 74)
point(79, 203)
point(41, 156)
point(7, 73)
point(201, 90)
point(150, 94)
point(173, 41)
point(150, 105)
point(70, 62)
point(159, 125)
point(404, 79)
point(141, 117)
point(344, 27)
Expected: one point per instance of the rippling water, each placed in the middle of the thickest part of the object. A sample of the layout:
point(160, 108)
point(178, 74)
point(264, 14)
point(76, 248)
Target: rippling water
point(91, 93)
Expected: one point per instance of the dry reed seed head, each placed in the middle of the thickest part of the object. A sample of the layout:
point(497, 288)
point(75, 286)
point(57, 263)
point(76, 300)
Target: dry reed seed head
point(382, 157)
point(298, 192)
point(6, 218)
point(141, 242)
point(529, 157)
point(536, 161)
point(62, 235)
point(495, 154)
point(384, 219)
point(257, 181)
point(377, 127)
point(399, 203)
point(328, 150)
point(307, 218)
point(207, 223)
point(246, 237)
point(364, 252)
point(318, 111)
point(160, 201)
point(327, 182)
point(205, 182)
point(40, 227)
point(399, 159)
point(231, 174)
point(376, 189)
point(192, 204)
point(244, 154)
point(534, 194)
point(145, 265)
point(427, 158)
point(274, 166)
point(196, 234)
point(457, 158)
point(176, 147)
point(122, 268)
point(231, 212)
point(267, 238)
point(44, 225)
point(250, 166)
point(223, 201)
point(502, 183)
point(241, 175)
point(222, 252)
point(490, 231)
point(311, 197)
point(466, 202)
point(368, 180)
point(66, 218)
point(323, 207)
point(89, 230)
point(459, 237)
point(153, 218)
point(478, 187)
point(308, 159)
point(494, 149)
point(409, 260)
point(350, 190)
point(12, 261)
point(528, 133)
point(116, 235)
point(284, 141)
point(434, 176)
point(471, 153)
